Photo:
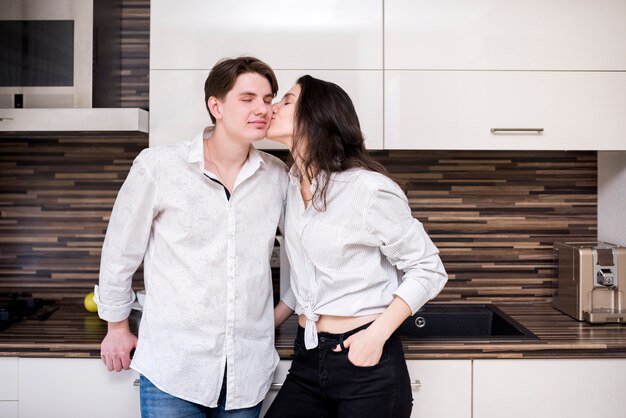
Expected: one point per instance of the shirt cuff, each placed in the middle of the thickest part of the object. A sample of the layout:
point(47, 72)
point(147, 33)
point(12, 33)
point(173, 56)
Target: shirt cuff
point(112, 313)
point(289, 299)
point(413, 294)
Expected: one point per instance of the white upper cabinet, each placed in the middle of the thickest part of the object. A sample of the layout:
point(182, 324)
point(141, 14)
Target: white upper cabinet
point(459, 109)
point(287, 34)
point(505, 34)
point(177, 110)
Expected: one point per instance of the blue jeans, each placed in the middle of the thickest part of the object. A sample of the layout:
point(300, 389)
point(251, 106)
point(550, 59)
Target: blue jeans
point(157, 404)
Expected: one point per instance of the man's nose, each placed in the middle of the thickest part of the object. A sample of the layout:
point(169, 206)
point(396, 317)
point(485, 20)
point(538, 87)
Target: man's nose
point(263, 108)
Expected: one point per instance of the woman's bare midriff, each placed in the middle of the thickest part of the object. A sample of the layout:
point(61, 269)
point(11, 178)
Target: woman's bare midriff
point(338, 324)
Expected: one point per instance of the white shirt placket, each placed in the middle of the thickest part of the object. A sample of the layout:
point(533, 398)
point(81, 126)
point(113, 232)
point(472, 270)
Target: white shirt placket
point(231, 269)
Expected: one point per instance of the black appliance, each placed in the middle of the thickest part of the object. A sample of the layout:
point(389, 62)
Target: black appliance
point(17, 306)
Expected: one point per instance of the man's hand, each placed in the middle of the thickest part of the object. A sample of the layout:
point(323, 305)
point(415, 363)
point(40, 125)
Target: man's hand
point(117, 345)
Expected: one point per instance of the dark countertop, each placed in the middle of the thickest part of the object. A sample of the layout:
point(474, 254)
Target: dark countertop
point(74, 333)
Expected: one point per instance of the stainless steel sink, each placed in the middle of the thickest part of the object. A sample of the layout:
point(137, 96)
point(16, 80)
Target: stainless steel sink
point(463, 322)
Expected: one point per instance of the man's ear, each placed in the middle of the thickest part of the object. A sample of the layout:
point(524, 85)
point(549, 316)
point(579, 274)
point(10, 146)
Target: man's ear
point(215, 107)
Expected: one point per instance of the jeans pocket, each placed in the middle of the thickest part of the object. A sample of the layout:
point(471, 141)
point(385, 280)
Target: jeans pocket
point(384, 359)
point(298, 348)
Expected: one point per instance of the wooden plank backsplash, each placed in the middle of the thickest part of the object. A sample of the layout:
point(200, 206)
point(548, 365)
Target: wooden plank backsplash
point(56, 196)
point(135, 53)
point(494, 215)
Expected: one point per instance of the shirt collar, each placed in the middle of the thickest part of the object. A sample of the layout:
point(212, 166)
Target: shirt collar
point(196, 150)
point(294, 175)
point(294, 178)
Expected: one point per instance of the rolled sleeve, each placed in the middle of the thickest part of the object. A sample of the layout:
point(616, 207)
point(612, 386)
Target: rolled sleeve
point(289, 299)
point(112, 313)
point(126, 241)
point(405, 243)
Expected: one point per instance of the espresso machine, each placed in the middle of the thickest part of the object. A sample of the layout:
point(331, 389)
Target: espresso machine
point(589, 276)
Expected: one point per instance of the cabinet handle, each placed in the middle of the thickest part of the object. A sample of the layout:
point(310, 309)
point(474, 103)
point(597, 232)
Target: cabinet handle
point(3, 119)
point(416, 384)
point(136, 382)
point(496, 130)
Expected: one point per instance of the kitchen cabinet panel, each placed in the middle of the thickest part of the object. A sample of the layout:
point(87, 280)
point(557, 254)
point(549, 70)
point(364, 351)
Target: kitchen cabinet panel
point(9, 409)
point(444, 389)
point(177, 110)
point(59, 388)
point(505, 35)
point(549, 388)
point(458, 109)
point(8, 383)
point(287, 34)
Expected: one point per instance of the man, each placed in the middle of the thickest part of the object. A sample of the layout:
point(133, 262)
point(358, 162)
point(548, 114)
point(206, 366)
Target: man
point(202, 214)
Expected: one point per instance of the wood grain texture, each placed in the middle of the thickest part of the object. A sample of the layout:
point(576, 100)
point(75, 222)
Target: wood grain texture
point(494, 215)
point(56, 197)
point(72, 332)
point(135, 53)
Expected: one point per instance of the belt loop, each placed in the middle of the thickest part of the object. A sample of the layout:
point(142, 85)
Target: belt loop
point(343, 347)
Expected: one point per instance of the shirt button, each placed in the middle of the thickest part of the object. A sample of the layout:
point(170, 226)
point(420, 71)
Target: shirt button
point(322, 339)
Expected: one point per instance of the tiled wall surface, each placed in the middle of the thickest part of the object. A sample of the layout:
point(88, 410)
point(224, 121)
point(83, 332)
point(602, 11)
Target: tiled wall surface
point(56, 196)
point(494, 215)
point(135, 53)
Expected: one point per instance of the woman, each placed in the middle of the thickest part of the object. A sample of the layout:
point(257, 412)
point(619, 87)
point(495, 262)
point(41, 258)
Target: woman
point(361, 264)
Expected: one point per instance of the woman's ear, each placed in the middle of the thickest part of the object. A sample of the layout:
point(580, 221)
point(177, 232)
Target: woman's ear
point(215, 107)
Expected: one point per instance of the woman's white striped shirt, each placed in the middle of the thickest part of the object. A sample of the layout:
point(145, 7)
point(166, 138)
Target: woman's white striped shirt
point(352, 258)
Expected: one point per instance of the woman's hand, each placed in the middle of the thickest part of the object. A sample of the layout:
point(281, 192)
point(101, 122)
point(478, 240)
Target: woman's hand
point(364, 348)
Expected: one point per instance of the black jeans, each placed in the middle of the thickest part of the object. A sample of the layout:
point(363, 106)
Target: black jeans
point(323, 384)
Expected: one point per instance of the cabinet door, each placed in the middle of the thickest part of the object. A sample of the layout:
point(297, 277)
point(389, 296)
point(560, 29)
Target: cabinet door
point(549, 388)
point(287, 34)
point(277, 382)
point(177, 110)
point(8, 382)
point(61, 388)
point(458, 109)
point(441, 388)
point(505, 34)
point(9, 387)
point(9, 409)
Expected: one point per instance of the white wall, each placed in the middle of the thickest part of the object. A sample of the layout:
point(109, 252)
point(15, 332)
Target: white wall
point(612, 197)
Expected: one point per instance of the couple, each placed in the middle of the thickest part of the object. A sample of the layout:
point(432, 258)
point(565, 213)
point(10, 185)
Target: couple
point(202, 215)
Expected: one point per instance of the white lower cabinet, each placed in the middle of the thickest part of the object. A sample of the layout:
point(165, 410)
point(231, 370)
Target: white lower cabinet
point(8, 387)
point(441, 388)
point(550, 388)
point(279, 377)
point(62, 388)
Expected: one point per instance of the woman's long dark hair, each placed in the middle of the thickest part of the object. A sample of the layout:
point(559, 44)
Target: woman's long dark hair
point(327, 135)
